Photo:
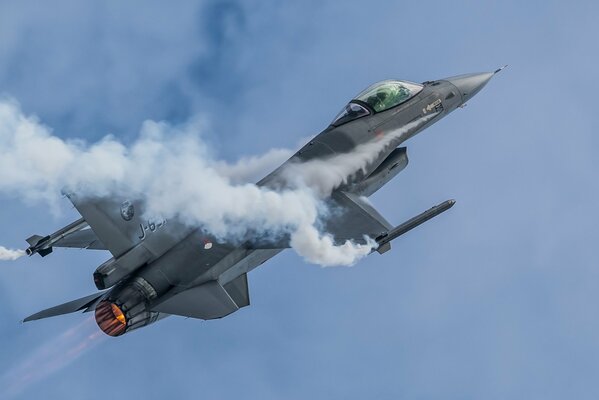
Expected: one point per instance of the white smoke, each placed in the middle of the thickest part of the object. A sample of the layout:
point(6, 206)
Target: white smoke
point(324, 175)
point(320, 249)
point(174, 170)
point(9, 254)
point(252, 169)
point(179, 178)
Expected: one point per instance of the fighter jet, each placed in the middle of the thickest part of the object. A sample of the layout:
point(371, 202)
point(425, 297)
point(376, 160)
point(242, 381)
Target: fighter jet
point(162, 268)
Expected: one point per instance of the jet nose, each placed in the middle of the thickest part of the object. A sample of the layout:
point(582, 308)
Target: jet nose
point(470, 84)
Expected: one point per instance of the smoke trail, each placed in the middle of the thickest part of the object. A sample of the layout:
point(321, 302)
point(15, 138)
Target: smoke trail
point(320, 249)
point(252, 169)
point(9, 254)
point(325, 175)
point(50, 357)
point(179, 178)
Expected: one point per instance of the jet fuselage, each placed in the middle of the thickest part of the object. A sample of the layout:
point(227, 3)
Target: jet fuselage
point(167, 267)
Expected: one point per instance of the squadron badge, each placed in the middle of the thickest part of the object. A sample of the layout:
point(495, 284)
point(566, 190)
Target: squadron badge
point(127, 210)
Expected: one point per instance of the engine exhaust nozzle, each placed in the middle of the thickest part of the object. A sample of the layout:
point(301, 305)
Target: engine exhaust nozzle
point(110, 318)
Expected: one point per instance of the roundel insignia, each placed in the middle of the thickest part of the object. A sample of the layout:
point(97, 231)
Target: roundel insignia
point(127, 210)
point(207, 244)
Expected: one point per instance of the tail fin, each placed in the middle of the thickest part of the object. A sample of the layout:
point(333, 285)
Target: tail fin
point(86, 303)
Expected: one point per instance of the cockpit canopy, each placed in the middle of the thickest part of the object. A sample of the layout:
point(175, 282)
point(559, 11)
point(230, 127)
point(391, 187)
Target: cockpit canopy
point(387, 94)
point(379, 97)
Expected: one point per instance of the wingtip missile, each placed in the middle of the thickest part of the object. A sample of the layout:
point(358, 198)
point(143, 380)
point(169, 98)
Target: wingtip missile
point(384, 240)
point(43, 244)
point(38, 244)
point(500, 69)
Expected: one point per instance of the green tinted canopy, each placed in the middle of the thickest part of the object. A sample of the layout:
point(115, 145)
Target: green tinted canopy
point(387, 94)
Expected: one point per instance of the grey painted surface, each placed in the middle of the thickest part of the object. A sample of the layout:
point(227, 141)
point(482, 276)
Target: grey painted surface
point(493, 300)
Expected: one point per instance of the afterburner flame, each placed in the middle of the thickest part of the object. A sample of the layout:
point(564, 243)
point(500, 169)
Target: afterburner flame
point(110, 318)
point(118, 314)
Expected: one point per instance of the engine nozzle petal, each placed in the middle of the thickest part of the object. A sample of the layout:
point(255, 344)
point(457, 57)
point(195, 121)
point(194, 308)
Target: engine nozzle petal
point(110, 318)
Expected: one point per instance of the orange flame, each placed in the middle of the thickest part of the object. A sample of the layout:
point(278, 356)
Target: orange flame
point(110, 318)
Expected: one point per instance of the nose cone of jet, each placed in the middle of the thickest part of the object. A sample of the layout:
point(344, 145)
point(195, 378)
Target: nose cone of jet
point(470, 84)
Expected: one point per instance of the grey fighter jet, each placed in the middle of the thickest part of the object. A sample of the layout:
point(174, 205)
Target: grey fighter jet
point(163, 268)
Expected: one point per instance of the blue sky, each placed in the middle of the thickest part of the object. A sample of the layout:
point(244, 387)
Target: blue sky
point(494, 299)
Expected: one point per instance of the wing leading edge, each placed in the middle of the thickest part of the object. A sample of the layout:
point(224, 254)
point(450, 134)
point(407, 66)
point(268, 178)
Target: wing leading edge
point(86, 303)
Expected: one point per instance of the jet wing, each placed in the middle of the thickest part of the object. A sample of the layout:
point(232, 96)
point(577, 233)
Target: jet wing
point(355, 217)
point(76, 234)
point(352, 217)
point(349, 217)
point(83, 239)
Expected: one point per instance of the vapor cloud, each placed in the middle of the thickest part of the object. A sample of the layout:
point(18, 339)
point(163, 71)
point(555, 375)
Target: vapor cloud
point(177, 175)
point(326, 175)
point(9, 254)
point(251, 169)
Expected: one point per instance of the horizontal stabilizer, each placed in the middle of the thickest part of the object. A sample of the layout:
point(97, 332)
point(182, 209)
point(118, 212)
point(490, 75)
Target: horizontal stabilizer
point(208, 301)
point(67, 308)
